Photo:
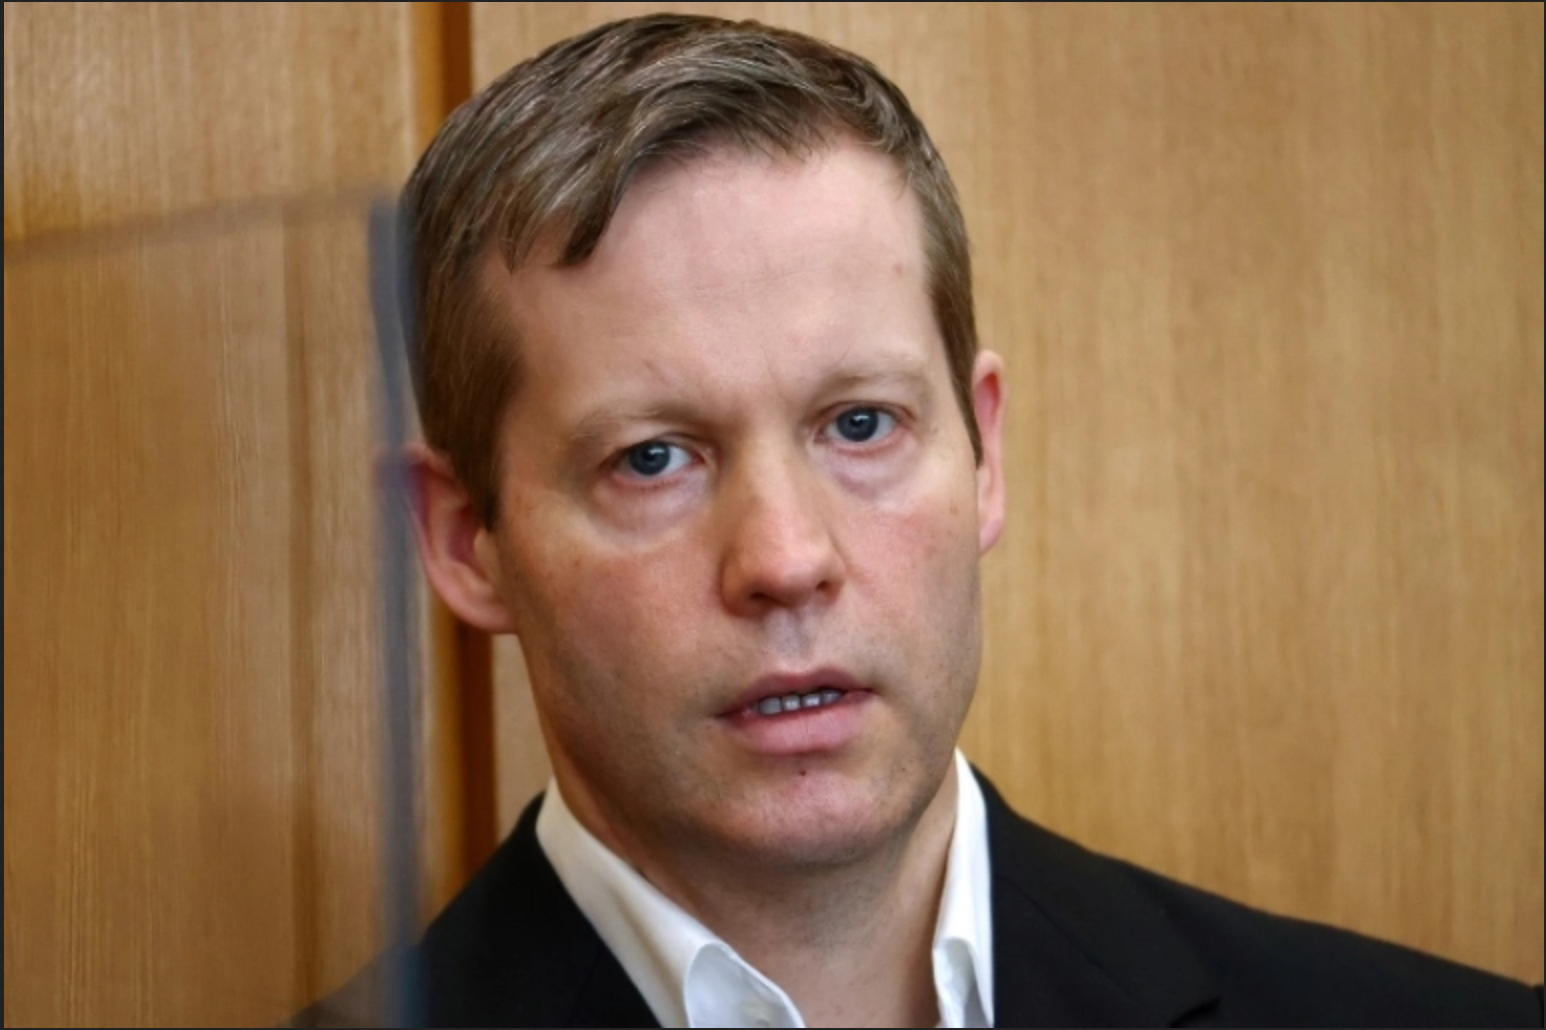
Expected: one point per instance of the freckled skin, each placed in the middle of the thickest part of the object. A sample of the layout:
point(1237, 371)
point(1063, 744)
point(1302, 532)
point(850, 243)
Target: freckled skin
point(734, 309)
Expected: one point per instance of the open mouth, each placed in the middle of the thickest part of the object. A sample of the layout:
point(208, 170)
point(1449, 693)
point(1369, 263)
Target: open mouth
point(797, 702)
point(818, 712)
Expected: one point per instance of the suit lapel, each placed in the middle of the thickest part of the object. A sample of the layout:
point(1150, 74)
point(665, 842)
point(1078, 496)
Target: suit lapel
point(608, 998)
point(513, 949)
point(1075, 942)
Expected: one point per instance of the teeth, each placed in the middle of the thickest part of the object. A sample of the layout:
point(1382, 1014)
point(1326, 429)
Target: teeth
point(797, 702)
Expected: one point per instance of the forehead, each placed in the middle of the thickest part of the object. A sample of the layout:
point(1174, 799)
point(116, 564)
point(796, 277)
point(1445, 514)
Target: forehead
point(728, 217)
point(730, 251)
point(739, 214)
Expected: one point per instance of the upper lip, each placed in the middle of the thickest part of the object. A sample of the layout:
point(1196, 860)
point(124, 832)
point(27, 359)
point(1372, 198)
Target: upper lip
point(781, 684)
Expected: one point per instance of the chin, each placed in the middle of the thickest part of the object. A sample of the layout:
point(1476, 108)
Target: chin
point(830, 846)
point(827, 820)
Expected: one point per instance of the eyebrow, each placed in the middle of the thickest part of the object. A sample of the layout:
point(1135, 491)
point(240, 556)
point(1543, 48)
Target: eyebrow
point(908, 374)
point(596, 430)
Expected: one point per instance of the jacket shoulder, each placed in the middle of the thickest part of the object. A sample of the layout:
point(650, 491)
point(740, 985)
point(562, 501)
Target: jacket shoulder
point(1190, 957)
point(1276, 970)
point(511, 949)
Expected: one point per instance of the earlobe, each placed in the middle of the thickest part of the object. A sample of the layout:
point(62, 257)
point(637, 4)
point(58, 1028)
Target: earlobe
point(451, 538)
point(988, 407)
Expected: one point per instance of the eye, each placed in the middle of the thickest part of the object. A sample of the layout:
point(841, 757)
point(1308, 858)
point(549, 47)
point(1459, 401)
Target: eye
point(861, 425)
point(654, 458)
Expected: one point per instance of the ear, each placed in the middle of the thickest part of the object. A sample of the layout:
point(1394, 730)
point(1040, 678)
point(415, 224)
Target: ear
point(454, 545)
point(988, 406)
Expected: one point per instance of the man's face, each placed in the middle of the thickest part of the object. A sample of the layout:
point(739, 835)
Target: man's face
point(735, 481)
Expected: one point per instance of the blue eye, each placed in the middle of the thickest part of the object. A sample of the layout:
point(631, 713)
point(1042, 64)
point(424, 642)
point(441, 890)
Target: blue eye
point(654, 458)
point(861, 425)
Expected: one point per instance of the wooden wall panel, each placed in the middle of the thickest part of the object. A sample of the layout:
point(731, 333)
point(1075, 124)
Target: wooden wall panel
point(1280, 444)
point(150, 844)
point(336, 396)
point(337, 717)
point(1268, 611)
point(193, 788)
point(129, 111)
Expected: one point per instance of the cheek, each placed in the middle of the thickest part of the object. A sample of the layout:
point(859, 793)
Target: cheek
point(603, 616)
point(917, 566)
point(932, 526)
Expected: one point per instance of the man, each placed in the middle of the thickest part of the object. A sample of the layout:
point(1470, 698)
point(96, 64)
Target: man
point(708, 430)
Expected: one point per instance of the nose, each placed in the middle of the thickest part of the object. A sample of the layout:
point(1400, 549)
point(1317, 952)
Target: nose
point(780, 550)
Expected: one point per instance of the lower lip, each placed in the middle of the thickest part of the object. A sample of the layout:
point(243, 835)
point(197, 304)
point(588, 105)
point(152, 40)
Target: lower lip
point(808, 731)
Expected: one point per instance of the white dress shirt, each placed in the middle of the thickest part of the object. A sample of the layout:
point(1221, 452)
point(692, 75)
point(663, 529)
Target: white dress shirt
point(691, 978)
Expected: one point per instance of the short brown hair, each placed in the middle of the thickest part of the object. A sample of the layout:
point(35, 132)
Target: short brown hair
point(548, 150)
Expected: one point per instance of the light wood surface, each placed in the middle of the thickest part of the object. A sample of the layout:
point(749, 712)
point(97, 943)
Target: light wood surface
point(193, 779)
point(1267, 615)
point(334, 391)
point(150, 765)
point(118, 112)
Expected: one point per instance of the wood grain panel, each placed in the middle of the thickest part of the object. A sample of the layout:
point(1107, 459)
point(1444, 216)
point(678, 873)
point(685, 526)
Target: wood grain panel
point(334, 386)
point(336, 389)
point(119, 112)
point(1279, 441)
point(193, 776)
point(1268, 611)
point(150, 840)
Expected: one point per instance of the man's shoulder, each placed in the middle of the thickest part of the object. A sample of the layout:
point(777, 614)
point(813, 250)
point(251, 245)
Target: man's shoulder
point(1080, 939)
point(1196, 958)
point(1306, 973)
point(511, 949)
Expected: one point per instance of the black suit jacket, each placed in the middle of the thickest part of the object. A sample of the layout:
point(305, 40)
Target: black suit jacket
point(1078, 939)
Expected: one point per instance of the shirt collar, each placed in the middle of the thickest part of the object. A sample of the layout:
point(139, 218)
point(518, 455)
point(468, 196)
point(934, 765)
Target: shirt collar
point(691, 978)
